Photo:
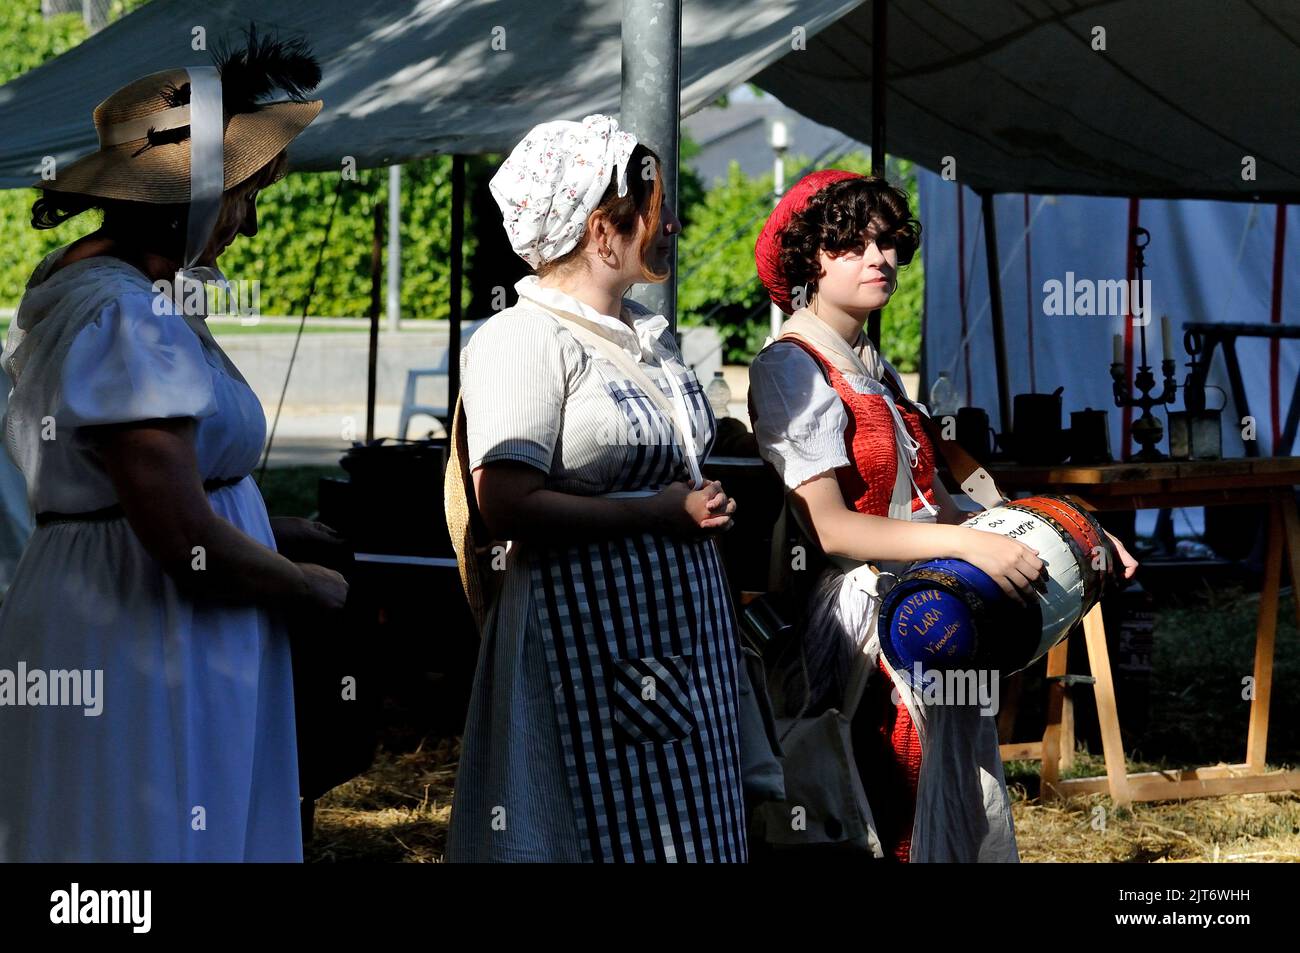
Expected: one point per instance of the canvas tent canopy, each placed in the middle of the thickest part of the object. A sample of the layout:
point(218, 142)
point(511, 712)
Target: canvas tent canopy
point(1013, 91)
point(1017, 94)
point(402, 80)
point(1206, 261)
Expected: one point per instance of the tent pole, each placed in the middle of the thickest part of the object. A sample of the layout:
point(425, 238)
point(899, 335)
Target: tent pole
point(394, 247)
point(376, 279)
point(995, 310)
point(879, 39)
point(650, 109)
point(457, 270)
point(879, 51)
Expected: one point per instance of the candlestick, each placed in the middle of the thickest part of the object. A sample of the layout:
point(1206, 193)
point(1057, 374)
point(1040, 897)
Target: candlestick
point(1146, 431)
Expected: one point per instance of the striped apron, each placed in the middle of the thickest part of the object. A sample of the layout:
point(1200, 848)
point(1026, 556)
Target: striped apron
point(641, 647)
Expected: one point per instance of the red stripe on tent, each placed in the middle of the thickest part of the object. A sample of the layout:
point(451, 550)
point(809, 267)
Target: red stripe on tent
point(1029, 299)
point(1130, 274)
point(961, 283)
point(1275, 317)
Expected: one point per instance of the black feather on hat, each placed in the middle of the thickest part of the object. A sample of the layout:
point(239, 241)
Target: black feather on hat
point(248, 73)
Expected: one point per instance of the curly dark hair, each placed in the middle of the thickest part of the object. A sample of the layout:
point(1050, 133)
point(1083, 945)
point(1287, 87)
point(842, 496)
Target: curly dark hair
point(843, 216)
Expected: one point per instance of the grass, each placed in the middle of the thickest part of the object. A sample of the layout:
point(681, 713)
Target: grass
point(292, 491)
point(1237, 828)
point(399, 810)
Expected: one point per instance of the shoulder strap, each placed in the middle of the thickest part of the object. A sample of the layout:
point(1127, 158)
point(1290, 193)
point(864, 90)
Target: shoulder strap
point(974, 480)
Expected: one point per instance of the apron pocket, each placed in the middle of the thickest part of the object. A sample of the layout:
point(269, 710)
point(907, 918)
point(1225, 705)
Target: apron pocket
point(652, 698)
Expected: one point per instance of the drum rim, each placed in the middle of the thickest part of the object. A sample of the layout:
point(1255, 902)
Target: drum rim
point(1098, 530)
point(981, 611)
point(1090, 577)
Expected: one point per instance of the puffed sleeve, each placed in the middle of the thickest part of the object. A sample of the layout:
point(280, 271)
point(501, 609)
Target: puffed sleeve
point(514, 382)
point(800, 419)
point(131, 364)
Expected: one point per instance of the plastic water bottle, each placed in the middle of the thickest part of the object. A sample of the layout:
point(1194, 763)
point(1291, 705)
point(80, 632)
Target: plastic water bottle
point(943, 397)
point(719, 394)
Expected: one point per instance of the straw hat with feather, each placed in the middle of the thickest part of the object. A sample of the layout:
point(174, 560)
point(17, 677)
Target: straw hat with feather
point(143, 128)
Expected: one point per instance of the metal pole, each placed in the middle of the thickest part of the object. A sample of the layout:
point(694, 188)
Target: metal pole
point(457, 269)
point(780, 140)
point(879, 67)
point(995, 310)
point(879, 78)
point(650, 110)
point(376, 278)
point(394, 247)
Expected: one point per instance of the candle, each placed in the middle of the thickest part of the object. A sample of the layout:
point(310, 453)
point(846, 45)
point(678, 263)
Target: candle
point(1166, 337)
point(1118, 351)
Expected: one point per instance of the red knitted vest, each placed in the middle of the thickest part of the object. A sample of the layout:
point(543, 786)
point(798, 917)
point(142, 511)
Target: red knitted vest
point(868, 481)
point(889, 749)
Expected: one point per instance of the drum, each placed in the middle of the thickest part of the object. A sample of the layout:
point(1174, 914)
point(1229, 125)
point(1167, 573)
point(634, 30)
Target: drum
point(946, 614)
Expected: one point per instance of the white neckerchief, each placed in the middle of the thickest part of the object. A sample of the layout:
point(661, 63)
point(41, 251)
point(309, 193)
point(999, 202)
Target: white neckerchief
point(637, 339)
point(634, 347)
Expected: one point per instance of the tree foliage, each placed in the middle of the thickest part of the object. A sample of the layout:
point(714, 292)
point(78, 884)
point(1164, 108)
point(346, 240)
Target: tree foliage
point(720, 287)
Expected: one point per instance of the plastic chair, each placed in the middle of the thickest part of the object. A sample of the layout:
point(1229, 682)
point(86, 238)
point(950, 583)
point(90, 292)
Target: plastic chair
point(410, 408)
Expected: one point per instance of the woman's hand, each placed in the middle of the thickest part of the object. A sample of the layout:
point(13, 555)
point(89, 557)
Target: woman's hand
point(306, 541)
point(325, 589)
point(1014, 566)
point(1125, 557)
point(683, 511)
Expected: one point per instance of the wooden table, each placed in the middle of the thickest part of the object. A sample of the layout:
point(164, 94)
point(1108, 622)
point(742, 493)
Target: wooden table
point(1132, 486)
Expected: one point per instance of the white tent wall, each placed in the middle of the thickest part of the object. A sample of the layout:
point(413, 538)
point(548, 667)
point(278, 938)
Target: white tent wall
point(1207, 261)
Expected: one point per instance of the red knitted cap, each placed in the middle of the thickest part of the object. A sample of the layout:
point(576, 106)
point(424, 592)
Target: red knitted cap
point(767, 250)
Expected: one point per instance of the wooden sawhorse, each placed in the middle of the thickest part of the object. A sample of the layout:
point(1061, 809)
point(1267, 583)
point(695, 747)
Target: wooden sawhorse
point(1133, 486)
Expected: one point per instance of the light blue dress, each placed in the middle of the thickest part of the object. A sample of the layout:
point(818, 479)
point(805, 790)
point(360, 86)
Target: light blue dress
point(192, 754)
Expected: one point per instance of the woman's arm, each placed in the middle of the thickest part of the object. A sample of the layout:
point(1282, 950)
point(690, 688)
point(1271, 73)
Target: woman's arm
point(515, 505)
point(154, 469)
point(840, 531)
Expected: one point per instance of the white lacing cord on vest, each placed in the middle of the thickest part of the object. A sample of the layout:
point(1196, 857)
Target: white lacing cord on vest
point(907, 447)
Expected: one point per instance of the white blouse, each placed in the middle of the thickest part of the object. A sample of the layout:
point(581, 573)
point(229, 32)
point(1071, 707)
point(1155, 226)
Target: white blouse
point(534, 394)
point(800, 418)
